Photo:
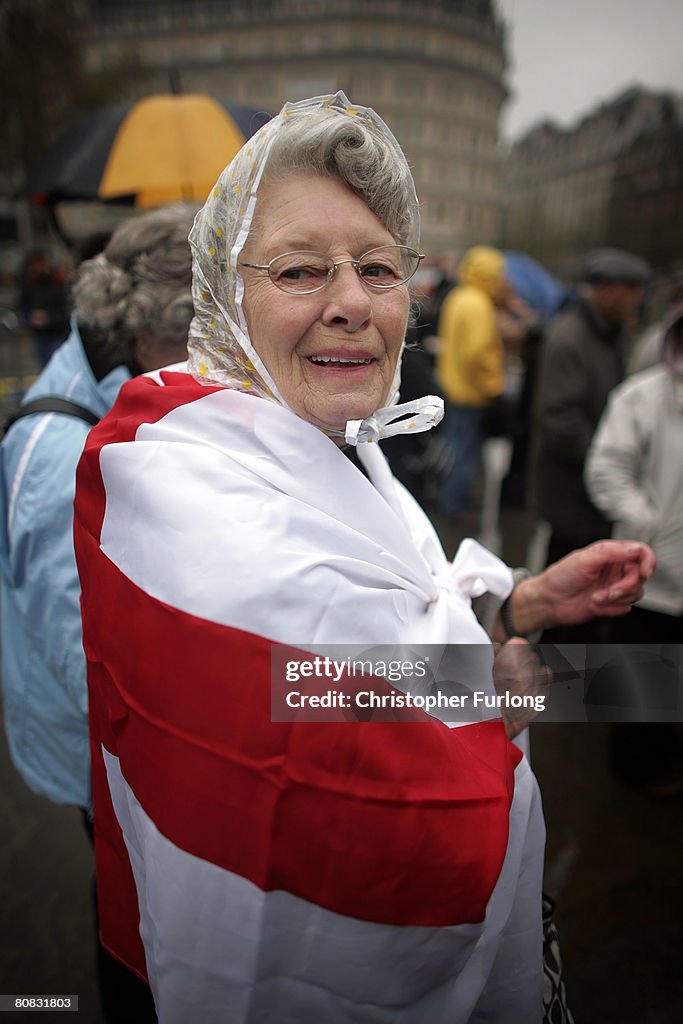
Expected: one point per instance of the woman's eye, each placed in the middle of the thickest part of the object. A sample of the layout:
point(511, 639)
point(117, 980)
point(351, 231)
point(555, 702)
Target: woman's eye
point(293, 273)
point(301, 273)
point(378, 271)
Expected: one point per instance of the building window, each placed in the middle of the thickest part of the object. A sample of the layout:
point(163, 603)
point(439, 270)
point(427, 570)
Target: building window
point(300, 87)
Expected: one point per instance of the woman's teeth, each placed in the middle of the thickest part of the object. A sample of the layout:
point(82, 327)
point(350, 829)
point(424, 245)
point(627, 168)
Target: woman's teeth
point(334, 361)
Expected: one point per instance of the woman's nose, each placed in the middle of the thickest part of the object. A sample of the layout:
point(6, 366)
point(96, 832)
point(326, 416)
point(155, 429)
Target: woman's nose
point(348, 300)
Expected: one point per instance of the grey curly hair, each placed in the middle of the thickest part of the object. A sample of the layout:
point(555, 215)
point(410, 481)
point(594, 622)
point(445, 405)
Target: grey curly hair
point(355, 151)
point(140, 284)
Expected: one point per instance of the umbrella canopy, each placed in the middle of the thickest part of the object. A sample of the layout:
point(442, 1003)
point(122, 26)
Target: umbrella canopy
point(157, 150)
point(534, 284)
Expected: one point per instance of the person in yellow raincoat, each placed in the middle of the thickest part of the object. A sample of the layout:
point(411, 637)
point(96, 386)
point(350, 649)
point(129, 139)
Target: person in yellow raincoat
point(470, 368)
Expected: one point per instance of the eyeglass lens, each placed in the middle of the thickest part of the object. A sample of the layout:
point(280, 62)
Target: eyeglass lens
point(303, 271)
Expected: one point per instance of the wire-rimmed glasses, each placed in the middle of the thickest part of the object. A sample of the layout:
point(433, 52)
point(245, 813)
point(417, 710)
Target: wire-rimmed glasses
point(303, 271)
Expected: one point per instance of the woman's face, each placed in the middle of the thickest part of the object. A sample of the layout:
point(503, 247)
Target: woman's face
point(347, 320)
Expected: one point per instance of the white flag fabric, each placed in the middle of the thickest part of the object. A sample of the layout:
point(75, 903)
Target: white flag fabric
point(256, 870)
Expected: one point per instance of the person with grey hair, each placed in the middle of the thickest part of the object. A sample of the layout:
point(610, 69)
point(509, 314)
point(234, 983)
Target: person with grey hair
point(582, 358)
point(268, 848)
point(133, 305)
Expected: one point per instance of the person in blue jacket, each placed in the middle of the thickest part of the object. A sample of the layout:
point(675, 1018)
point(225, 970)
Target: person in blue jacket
point(133, 306)
point(132, 309)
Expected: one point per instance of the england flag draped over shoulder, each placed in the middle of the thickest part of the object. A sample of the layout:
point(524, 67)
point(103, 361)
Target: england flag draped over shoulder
point(257, 871)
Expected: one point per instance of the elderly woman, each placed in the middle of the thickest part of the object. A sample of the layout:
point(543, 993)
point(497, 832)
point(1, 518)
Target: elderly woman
point(254, 866)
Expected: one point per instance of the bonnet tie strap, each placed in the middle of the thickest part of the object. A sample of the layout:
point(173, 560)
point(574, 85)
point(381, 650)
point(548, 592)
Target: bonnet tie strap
point(407, 418)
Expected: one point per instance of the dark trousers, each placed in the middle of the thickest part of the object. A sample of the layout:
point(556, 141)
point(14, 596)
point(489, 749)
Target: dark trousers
point(123, 997)
point(648, 753)
point(462, 432)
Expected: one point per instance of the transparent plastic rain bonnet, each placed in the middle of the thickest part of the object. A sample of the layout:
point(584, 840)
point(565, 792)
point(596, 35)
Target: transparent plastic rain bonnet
point(220, 349)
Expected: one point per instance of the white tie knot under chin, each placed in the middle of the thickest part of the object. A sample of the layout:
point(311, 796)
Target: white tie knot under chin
point(406, 418)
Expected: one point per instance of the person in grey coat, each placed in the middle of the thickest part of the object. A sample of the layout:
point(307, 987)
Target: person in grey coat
point(582, 359)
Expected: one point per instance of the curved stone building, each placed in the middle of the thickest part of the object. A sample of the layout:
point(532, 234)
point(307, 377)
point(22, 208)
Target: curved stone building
point(434, 70)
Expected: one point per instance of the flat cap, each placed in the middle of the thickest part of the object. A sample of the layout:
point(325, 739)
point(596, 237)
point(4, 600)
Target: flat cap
point(615, 265)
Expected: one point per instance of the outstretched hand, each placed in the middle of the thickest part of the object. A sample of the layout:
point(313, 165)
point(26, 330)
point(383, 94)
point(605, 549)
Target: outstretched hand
point(604, 579)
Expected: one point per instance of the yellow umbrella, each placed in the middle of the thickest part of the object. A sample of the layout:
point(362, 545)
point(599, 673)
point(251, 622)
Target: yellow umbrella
point(158, 150)
point(170, 148)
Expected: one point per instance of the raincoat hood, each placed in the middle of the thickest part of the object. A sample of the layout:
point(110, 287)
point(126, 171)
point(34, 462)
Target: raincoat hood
point(220, 348)
point(482, 267)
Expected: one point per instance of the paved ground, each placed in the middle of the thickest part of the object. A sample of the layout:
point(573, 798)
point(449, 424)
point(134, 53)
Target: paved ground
point(614, 865)
point(46, 929)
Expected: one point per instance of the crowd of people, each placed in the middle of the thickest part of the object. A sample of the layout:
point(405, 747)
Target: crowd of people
point(239, 450)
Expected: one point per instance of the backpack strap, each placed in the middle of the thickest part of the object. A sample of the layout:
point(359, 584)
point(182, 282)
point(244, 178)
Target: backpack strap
point(53, 403)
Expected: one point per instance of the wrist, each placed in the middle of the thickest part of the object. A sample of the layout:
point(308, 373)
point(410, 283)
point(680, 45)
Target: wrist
point(527, 611)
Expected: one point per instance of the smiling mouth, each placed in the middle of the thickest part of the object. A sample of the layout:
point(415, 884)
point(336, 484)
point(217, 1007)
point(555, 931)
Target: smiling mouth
point(336, 361)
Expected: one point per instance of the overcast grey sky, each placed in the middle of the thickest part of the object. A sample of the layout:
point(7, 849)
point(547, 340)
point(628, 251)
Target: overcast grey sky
point(569, 55)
